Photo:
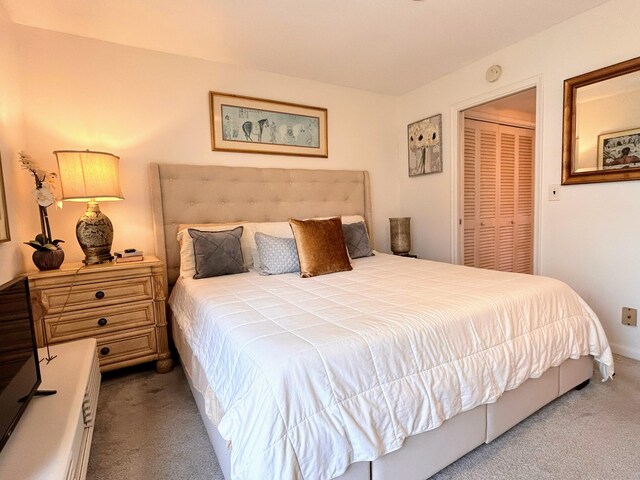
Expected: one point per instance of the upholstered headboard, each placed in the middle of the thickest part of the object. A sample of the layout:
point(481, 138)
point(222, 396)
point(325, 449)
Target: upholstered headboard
point(215, 194)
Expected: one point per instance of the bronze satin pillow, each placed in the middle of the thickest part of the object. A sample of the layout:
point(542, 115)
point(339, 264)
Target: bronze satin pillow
point(321, 247)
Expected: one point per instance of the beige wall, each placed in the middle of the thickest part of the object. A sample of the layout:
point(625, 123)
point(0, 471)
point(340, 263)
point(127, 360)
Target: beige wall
point(586, 238)
point(10, 143)
point(152, 107)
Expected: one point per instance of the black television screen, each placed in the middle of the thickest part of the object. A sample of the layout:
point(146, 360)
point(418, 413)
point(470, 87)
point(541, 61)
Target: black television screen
point(19, 367)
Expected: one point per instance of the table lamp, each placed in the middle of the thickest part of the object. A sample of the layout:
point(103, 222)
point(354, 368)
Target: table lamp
point(91, 177)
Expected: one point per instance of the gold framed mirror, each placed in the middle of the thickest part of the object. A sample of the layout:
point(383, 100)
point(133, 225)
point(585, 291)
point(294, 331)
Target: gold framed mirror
point(601, 125)
point(4, 219)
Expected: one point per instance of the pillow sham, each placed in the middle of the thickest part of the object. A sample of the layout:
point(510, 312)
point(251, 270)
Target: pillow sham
point(187, 260)
point(357, 240)
point(321, 247)
point(217, 253)
point(276, 255)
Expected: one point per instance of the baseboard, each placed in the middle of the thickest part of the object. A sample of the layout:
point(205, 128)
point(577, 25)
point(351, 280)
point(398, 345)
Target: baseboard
point(625, 351)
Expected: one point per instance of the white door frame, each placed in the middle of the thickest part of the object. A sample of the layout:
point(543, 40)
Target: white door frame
point(457, 148)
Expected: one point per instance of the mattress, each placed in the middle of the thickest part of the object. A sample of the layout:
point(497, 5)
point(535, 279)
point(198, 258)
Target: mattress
point(306, 376)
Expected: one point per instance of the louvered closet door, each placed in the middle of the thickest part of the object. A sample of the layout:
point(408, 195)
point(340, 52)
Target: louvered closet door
point(498, 197)
point(523, 247)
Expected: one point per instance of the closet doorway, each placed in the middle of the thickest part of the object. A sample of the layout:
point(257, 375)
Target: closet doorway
point(497, 184)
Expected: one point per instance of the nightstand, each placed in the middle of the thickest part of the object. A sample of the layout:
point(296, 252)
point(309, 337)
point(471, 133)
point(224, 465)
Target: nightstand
point(122, 305)
point(408, 255)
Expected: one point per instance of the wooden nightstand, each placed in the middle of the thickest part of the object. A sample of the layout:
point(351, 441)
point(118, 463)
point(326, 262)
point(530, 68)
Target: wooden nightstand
point(121, 305)
point(408, 255)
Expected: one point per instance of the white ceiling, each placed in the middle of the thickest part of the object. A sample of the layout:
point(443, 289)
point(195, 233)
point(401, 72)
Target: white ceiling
point(386, 46)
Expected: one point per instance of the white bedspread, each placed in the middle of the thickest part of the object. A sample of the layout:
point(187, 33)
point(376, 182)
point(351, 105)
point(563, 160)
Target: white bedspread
point(313, 374)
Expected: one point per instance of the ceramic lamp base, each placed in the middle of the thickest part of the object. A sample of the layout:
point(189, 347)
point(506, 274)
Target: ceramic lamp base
point(95, 235)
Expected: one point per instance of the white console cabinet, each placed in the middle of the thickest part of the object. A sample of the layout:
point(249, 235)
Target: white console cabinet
point(53, 438)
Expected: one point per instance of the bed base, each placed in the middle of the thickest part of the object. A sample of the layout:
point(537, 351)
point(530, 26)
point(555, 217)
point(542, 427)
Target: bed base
point(425, 454)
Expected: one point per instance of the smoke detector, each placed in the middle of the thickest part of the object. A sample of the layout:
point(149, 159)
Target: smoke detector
point(493, 73)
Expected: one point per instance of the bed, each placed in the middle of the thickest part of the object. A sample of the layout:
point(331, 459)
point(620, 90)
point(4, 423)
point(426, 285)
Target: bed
point(367, 383)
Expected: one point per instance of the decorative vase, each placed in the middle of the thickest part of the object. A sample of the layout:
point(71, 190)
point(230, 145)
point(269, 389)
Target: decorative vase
point(400, 229)
point(49, 260)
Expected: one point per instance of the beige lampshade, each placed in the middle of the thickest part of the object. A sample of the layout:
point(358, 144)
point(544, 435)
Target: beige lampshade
point(86, 175)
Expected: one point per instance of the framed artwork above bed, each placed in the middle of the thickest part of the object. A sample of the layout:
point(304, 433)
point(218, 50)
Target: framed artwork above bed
point(255, 125)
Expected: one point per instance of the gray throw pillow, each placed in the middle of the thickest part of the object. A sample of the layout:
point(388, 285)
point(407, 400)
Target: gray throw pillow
point(276, 255)
point(217, 253)
point(357, 240)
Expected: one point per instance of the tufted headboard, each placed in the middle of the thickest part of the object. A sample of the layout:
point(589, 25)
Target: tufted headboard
point(215, 194)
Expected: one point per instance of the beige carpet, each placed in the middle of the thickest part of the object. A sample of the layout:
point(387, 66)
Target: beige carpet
point(148, 428)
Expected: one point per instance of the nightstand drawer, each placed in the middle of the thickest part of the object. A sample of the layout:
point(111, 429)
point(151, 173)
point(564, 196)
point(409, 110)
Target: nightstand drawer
point(99, 293)
point(98, 321)
point(126, 348)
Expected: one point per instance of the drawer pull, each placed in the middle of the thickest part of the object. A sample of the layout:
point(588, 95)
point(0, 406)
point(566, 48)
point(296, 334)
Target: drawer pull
point(99, 294)
point(104, 351)
point(102, 322)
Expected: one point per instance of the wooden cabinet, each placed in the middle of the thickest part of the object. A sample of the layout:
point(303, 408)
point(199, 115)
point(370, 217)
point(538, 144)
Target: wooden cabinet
point(52, 440)
point(121, 305)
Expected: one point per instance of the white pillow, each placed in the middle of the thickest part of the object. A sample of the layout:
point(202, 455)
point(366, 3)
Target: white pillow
point(349, 219)
point(187, 257)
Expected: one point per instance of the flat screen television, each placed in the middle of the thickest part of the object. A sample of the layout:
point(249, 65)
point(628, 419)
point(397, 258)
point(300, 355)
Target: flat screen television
point(19, 365)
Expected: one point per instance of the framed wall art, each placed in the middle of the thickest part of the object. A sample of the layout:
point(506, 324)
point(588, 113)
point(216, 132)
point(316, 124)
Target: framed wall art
point(425, 151)
point(619, 150)
point(4, 219)
point(255, 125)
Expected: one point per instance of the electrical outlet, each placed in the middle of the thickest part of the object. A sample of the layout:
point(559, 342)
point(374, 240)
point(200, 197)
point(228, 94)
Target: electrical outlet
point(554, 193)
point(629, 316)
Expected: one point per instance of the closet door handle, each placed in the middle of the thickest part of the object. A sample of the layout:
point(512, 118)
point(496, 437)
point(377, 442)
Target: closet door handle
point(99, 294)
point(102, 322)
point(512, 222)
point(482, 224)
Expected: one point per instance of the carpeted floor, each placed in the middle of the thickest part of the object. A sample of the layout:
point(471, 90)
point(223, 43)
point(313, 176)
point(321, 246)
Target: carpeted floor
point(148, 427)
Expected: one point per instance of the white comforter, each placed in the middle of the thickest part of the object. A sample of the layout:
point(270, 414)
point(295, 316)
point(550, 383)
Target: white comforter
point(310, 375)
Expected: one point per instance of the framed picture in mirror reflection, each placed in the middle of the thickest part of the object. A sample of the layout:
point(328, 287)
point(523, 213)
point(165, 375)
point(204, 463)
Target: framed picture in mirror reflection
point(618, 150)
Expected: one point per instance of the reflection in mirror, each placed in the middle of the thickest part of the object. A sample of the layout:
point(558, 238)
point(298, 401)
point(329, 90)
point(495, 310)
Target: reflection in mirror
point(4, 220)
point(601, 131)
point(608, 124)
